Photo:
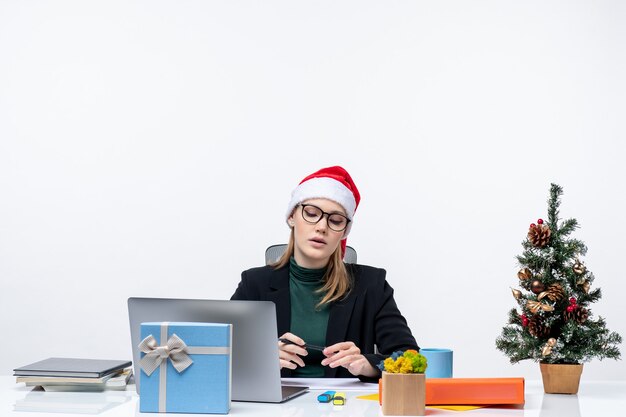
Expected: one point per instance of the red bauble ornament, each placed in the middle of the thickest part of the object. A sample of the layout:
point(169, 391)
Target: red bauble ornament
point(524, 320)
point(540, 221)
point(533, 225)
point(571, 308)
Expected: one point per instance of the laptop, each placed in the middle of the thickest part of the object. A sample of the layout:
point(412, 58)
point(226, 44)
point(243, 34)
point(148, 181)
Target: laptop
point(255, 369)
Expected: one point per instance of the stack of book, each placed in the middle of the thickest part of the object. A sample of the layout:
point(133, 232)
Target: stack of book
point(72, 374)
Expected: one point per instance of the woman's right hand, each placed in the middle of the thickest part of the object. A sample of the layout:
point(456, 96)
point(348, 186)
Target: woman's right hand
point(289, 354)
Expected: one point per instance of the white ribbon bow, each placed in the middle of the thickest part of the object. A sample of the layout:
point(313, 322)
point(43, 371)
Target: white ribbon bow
point(175, 349)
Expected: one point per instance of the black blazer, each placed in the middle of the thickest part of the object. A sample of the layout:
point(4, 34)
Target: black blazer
point(368, 316)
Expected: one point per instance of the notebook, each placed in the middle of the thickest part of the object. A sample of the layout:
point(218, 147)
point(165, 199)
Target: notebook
point(255, 372)
point(72, 367)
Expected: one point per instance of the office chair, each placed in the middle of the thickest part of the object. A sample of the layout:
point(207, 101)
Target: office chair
point(274, 252)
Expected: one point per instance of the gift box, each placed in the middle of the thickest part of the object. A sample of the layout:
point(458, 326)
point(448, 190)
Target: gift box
point(476, 391)
point(185, 368)
point(470, 391)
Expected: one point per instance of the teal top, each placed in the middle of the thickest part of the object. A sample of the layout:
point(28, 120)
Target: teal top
point(307, 320)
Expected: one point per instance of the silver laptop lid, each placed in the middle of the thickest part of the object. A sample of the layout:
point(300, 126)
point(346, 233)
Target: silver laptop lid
point(255, 367)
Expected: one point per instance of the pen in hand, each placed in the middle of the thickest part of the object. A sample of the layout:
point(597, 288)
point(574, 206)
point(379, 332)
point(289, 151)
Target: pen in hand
point(306, 346)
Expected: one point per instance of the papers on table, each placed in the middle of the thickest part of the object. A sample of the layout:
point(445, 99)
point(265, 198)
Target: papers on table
point(335, 384)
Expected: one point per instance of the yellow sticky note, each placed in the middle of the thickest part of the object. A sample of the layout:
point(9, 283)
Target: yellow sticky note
point(457, 407)
point(373, 397)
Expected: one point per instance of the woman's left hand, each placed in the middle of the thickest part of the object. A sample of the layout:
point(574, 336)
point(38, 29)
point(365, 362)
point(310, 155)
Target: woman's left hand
point(348, 355)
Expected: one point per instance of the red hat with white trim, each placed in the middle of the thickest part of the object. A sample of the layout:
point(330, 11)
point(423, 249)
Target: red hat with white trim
point(333, 183)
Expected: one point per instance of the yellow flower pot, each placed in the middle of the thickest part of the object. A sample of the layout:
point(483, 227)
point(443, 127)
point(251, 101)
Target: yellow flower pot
point(403, 394)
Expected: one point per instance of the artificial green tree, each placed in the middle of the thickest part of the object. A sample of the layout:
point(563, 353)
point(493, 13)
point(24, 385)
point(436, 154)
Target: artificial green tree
point(554, 323)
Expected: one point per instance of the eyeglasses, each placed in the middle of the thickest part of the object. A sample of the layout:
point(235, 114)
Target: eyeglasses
point(313, 214)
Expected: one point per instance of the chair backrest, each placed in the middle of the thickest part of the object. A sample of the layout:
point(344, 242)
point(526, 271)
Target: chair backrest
point(274, 252)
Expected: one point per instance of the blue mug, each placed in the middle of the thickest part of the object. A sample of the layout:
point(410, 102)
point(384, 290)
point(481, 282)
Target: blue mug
point(439, 362)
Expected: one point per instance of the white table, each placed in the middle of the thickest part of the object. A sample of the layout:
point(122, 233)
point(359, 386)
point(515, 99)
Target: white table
point(594, 399)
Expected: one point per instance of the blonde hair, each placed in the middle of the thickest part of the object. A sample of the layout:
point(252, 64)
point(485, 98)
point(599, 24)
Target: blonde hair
point(337, 281)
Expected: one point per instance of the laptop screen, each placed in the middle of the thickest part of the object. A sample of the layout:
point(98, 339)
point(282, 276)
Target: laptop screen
point(255, 367)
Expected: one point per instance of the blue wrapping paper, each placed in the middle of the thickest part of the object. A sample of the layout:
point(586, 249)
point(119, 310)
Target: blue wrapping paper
point(203, 387)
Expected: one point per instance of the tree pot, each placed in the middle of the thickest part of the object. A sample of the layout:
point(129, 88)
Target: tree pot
point(403, 394)
point(560, 378)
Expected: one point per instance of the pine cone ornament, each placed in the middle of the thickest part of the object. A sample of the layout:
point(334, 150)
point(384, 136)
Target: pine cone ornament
point(577, 313)
point(554, 293)
point(537, 327)
point(539, 235)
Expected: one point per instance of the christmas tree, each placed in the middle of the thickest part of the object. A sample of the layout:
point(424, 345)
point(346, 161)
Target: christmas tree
point(554, 323)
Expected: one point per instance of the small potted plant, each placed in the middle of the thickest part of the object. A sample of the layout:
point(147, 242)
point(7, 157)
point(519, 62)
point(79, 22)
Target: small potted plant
point(404, 384)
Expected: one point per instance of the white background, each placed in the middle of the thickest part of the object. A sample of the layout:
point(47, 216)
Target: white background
point(148, 148)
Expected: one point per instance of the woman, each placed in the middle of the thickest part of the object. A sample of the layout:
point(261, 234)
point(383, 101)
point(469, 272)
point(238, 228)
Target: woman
point(346, 309)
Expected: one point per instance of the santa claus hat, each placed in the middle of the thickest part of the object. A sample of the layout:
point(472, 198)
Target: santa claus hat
point(333, 183)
